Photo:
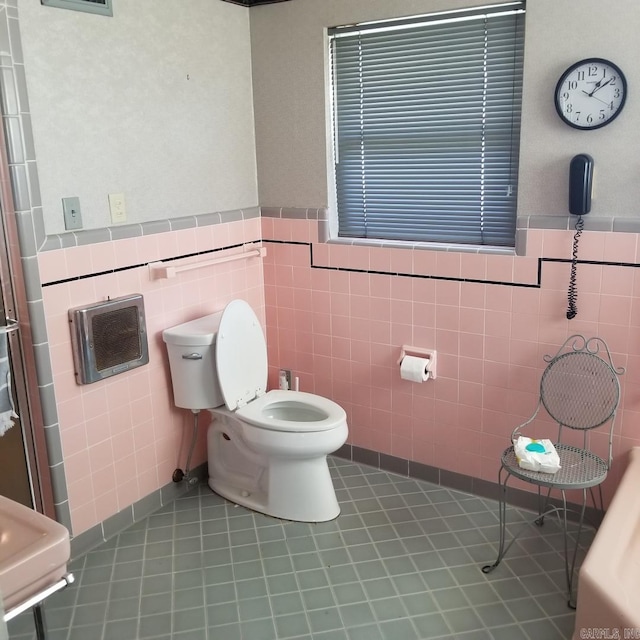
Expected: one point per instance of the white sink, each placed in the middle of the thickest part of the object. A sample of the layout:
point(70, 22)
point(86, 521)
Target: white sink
point(34, 551)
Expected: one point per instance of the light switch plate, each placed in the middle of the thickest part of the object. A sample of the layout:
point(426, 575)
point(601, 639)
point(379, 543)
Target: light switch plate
point(117, 208)
point(72, 213)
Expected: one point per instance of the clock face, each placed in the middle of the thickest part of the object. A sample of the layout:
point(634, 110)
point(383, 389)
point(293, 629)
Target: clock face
point(590, 93)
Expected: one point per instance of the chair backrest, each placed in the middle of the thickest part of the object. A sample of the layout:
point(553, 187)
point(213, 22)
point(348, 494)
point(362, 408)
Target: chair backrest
point(580, 387)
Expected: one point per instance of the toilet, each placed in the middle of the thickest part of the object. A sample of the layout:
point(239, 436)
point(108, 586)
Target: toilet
point(267, 450)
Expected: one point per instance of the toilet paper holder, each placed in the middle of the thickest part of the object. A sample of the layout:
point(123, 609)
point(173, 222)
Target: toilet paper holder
point(430, 354)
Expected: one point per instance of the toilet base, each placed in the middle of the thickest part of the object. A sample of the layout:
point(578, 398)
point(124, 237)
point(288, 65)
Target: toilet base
point(284, 475)
point(301, 491)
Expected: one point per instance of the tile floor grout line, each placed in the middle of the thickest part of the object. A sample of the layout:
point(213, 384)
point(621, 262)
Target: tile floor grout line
point(204, 587)
point(399, 542)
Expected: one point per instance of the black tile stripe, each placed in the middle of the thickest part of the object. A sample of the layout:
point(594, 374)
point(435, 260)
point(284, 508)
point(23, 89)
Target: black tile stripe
point(95, 274)
point(536, 285)
point(524, 285)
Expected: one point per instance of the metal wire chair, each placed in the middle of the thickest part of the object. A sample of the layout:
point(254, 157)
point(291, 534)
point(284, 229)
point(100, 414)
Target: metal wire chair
point(580, 390)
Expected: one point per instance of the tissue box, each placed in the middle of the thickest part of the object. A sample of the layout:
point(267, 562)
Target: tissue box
point(536, 455)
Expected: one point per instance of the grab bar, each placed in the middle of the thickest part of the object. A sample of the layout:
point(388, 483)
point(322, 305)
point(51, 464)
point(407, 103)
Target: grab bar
point(11, 325)
point(159, 270)
point(39, 597)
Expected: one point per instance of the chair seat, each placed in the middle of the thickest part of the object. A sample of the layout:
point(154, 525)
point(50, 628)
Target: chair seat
point(579, 469)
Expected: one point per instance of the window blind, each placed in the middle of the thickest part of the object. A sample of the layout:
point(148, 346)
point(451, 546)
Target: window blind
point(427, 124)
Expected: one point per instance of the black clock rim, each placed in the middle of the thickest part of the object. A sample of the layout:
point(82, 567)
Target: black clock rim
point(563, 77)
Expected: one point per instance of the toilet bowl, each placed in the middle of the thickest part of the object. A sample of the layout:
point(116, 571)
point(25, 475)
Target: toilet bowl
point(267, 450)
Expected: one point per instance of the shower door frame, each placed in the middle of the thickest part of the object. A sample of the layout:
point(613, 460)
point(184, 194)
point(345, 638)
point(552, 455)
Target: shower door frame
point(13, 309)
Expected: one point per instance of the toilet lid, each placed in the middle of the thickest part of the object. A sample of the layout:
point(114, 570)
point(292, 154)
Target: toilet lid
point(241, 355)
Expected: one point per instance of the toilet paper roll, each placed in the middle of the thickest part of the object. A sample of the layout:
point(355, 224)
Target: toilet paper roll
point(414, 369)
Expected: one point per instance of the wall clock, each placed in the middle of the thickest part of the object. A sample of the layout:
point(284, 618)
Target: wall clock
point(591, 93)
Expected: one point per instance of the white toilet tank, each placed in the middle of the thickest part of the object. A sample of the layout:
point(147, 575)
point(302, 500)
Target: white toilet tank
point(191, 348)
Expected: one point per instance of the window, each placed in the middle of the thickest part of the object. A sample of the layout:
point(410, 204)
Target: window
point(426, 119)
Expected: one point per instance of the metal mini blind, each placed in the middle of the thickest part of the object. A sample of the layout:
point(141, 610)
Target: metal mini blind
point(427, 125)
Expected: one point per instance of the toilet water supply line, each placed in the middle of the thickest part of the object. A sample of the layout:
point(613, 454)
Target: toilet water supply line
point(179, 474)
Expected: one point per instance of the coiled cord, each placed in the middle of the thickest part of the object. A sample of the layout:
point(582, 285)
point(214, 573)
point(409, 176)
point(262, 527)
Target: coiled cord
point(572, 295)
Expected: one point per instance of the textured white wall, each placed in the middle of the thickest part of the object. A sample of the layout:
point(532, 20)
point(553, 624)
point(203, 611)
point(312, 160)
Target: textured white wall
point(155, 102)
point(559, 33)
point(287, 43)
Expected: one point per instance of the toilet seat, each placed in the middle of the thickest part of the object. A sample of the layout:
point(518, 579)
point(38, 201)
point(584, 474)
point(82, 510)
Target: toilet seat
point(241, 355)
point(241, 362)
point(307, 413)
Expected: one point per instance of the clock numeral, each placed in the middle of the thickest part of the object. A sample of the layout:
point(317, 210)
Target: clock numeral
point(613, 80)
point(616, 93)
point(589, 118)
point(602, 115)
point(593, 71)
point(569, 108)
point(580, 75)
point(572, 84)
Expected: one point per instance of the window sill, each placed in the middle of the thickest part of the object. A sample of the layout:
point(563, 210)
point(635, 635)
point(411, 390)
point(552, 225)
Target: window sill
point(424, 246)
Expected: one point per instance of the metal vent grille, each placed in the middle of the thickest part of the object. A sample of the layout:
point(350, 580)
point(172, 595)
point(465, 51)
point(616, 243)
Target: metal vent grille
point(108, 338)
point(116, 337)
point(102, 7)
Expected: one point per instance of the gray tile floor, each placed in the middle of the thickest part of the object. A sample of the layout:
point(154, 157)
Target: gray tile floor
point(401, 562)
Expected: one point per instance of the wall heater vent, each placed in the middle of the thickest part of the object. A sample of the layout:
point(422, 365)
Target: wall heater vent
point(108, 338)
point(102, 7)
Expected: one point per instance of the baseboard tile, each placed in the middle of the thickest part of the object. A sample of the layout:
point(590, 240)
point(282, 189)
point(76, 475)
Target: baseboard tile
point(90, 539)
point(112, 526)
point(456, 481)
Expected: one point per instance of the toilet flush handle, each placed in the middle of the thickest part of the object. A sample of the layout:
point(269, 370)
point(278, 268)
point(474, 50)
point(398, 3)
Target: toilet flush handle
point(192, 356)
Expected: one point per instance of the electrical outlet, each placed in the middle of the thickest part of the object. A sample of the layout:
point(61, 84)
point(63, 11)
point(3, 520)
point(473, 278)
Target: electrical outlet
point(117, 208)
point(72, 213)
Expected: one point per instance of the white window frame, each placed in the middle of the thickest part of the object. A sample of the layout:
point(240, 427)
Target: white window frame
point(404, 24)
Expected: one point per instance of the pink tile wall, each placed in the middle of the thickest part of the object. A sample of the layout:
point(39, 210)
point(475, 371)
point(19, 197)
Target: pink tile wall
point(122, 437)
point(341, 333)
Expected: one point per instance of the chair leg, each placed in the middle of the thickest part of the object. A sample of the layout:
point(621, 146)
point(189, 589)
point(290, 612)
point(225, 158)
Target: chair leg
point(566, 541)
point(571, 569)
point(601, 499)
point(542, 508)
point(601, 507)
point(502, 515)
point(503, 548)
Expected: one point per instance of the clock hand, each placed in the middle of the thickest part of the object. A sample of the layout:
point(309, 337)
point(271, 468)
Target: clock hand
point(596, 87)
point(599, 86)
point(598, 99)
